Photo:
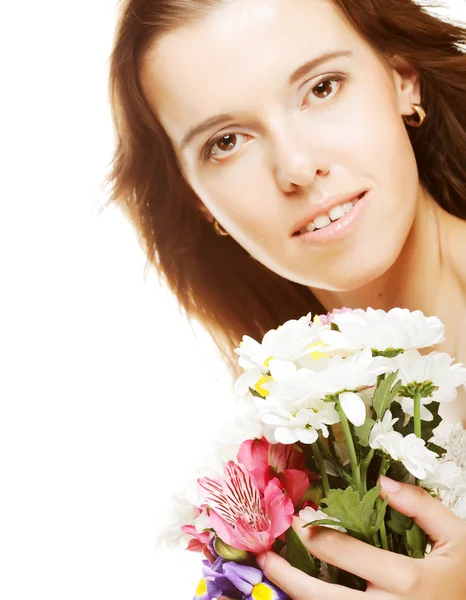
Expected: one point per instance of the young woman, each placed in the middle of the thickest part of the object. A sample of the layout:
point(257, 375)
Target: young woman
point(282, 156)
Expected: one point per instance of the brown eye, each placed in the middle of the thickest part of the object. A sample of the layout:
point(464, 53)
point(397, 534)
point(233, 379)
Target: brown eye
point(323, 89)
point(225, 143)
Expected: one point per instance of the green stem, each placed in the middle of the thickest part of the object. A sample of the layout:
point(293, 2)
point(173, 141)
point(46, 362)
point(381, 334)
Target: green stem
point(331, 443)
point(417, 420)
point(320, 463)
point(417, 414)
point(334, 461)
point(383, 531)
point(352, 451)
point(364, 466)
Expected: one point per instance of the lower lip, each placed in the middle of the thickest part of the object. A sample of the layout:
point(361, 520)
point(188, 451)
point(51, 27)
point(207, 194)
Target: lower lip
point(337, 230)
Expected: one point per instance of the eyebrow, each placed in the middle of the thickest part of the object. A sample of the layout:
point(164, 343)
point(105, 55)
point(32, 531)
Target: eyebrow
point(294, 77)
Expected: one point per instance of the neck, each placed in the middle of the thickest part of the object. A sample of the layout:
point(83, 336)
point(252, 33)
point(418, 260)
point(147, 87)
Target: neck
point(428, 275)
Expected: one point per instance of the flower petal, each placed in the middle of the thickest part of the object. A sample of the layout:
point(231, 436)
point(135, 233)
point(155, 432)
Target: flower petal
point(278, 508)
point(353, 407)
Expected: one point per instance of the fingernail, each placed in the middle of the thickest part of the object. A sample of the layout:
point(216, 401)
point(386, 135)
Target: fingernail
point(389, 485)
point(261, 560)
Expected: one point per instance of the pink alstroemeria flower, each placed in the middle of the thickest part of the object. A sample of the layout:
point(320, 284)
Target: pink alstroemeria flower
point(238, 514)
point(266, 461)
point(200, 538)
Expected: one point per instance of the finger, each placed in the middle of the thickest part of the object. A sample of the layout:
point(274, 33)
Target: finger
point(300, 586)
point(350, 554)
point(435, 519)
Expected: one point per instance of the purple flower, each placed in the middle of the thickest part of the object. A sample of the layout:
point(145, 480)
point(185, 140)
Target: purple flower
point(241, 582)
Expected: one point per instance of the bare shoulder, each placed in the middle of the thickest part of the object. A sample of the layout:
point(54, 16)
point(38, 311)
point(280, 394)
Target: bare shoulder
point(459, 249)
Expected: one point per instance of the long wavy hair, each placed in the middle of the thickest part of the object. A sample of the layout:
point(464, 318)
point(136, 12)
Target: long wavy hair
point(215, 281)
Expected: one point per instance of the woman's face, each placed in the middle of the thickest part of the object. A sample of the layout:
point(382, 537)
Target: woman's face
point(270, 145)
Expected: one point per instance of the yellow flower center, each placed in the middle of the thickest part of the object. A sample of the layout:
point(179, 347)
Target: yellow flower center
point(201, 588)
point(316, 354)
point(262, 592)
point(258, 387)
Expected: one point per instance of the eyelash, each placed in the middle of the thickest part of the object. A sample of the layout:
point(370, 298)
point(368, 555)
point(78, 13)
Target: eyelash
point(207, 151)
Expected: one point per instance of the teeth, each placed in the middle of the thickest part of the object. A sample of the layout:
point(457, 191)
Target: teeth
point(322, 221)
point(336, 213)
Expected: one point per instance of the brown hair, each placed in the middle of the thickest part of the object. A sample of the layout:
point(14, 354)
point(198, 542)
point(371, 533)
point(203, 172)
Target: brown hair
point(215, 281)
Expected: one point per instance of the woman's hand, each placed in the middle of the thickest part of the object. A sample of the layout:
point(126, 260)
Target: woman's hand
point(439, 576)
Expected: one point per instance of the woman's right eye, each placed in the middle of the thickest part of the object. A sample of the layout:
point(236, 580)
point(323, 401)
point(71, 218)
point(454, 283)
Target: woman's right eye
point(223, 146)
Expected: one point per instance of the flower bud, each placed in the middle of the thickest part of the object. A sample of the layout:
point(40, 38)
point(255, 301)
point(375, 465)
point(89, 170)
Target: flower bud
point(229, 553)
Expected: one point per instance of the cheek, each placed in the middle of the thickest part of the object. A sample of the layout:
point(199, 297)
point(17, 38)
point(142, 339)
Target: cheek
point(239, 194)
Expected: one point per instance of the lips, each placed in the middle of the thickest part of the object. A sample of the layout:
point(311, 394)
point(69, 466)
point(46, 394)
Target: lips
point(324, 207)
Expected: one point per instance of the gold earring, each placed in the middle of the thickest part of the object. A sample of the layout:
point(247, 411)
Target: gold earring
point(421, 114)
point(219, 229)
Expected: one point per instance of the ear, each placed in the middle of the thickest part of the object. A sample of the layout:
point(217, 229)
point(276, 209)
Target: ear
point(407, 84)
point(204, 211)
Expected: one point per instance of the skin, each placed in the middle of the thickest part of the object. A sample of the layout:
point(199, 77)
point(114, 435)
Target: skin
point(295, 144)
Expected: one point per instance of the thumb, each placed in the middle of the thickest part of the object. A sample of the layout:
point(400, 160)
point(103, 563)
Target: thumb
point(433, 517)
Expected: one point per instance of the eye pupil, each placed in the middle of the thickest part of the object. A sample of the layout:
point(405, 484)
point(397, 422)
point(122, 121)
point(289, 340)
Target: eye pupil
point(324, 88)
point(227, 142)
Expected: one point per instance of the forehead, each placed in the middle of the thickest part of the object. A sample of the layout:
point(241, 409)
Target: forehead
point(227, 60)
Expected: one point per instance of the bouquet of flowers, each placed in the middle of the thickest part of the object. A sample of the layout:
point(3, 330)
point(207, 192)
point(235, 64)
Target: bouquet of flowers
point(335, 402)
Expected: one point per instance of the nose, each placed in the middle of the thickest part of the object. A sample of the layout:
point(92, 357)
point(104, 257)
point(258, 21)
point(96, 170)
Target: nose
point(296, 162)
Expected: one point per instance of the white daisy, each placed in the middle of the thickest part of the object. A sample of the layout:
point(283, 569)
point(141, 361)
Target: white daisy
point(287, 342)
point(380, 330)
point(287, 424)
point(381, 429)
point(309, 515)
point(447, 476)
point(436, 368)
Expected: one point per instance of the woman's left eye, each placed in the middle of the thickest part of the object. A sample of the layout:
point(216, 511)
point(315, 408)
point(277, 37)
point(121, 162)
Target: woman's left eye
point(326, 87)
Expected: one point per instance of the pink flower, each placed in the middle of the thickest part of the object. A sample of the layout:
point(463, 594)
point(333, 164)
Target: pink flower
point(240, 516)
point(328, 318)
point(200, 537)
point(266, 461)
point(199, 541)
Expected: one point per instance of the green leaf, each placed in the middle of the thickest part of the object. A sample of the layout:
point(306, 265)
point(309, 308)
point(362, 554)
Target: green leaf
point(415, 542)
point(322, 522)
point(381, 514)
point(427, 427)
point(298, 555)
point(399, 523)
point(363, 432)
point(355, 515)
point(385, 394)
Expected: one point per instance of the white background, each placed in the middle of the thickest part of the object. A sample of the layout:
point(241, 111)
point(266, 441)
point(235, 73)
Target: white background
point(107, 401)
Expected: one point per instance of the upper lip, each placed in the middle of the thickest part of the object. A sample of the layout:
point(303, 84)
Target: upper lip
point(324, 207)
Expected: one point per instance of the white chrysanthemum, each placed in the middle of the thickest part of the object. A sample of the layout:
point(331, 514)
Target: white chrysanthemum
point(287, 424)
point(452, 436)
point(380, 429)
point(181, 512)
point(309, 515)
point(380, 330)
point(410, 451)
point(447, 476)
point(244, 424)
point(357, 371)
point(288, 342)
point(294, 385)
point(436, 368)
